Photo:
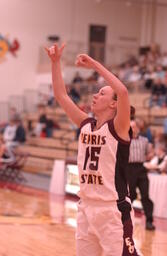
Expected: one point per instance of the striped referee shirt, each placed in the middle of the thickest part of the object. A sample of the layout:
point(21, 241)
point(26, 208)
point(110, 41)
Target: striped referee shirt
point(139, 148)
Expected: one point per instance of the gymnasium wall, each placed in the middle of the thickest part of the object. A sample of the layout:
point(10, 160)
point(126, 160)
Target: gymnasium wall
point(31, 21)
point(161, 25)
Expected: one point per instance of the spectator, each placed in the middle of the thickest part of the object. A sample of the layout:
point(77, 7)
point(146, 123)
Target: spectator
point(101, 82)
point(44, 127)
point(149, 77)
point(165, 127)
point(77, 78)
point(164, 60)
point(13, 112)
point(14, 134)
point(51, 99)
point(20, 135)
point(160, 73)
point(10, 132)
point(125, 72)
point(145, 129)
point(50, 125)
point(159, 161)
point(134, 80)
point(75, 94)
point(93, 77)
point(135, 76)
point(158, 97)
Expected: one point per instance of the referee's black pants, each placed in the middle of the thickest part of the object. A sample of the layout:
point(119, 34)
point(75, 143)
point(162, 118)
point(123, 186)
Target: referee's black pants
point(137, 177)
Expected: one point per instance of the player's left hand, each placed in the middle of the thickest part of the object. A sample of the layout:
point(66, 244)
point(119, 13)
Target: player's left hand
point(55, 52)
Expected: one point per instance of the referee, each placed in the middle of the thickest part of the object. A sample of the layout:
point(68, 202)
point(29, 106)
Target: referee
point(137, 173)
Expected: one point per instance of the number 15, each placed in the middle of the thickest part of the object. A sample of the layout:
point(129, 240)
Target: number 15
point(93, 153)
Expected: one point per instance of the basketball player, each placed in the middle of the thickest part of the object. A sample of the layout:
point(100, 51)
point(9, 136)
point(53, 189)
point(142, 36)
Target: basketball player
point(104, 225)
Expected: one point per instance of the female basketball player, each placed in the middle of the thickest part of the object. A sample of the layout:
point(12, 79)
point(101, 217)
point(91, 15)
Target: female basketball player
point(104, 225)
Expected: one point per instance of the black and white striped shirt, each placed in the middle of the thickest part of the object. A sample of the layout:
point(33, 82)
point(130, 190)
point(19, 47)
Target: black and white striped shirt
point(139, 148)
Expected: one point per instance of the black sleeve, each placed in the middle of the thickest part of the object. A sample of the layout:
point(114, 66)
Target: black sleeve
point(114, 133)
point(20, 134)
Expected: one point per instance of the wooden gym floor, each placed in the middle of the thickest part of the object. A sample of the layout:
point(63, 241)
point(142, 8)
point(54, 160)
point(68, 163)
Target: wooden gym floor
point(32, 223)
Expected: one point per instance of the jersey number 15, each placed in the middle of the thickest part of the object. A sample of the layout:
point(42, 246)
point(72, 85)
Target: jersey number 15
point(92, 153)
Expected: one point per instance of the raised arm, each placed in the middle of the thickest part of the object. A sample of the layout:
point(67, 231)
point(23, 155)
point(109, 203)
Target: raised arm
point(60, 93)
point(122, 119)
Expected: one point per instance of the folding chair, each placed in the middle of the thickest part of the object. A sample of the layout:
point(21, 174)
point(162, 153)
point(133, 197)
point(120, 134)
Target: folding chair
point(11, 171)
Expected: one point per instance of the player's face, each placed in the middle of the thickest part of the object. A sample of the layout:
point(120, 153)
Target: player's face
point(102, 100)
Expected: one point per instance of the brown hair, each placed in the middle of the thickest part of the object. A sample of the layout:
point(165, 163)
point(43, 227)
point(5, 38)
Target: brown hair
point(132, 112)
point(115, 96)
point(132, 109)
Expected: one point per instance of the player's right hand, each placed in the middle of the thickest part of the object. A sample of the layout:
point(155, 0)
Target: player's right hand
point(55, 52)
point(85, 61)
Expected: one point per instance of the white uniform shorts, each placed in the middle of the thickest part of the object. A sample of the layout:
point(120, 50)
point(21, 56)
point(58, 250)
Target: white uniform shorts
point(101, 231)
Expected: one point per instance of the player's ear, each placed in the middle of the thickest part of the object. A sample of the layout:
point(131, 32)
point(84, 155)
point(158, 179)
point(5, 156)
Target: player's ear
point(113, 104)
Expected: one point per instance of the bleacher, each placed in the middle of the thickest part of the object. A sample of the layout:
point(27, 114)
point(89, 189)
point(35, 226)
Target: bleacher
point(153, 116)
point(43, 151)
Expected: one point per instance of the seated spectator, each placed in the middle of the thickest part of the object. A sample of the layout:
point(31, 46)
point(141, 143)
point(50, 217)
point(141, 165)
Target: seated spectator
point(20, 136)
point(42, 121)
point(101, 82)
point(160, 73)
point(51, 98)
point(44, 127)
point(10, 132)
point(93, 77)
point(134, 80)
point(13, 112)
point(77, 78)
point(74, 94)
point(50, 125)
point(164, 60)
point(125, 72)
point(145, 129)
point(165, 126)
point(158, 97)
point(14, 134)
point(135, 76)
point(159, 161)
point(159, 138)
point(149, 77)
point(132, 61)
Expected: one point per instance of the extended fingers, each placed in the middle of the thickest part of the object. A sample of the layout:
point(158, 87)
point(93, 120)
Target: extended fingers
point(63, 45)
point(46, 49)
point(50, 50)
point(80, 58)
point(79, 63)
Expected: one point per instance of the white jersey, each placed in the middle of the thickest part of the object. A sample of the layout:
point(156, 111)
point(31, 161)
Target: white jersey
point(102, 159)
